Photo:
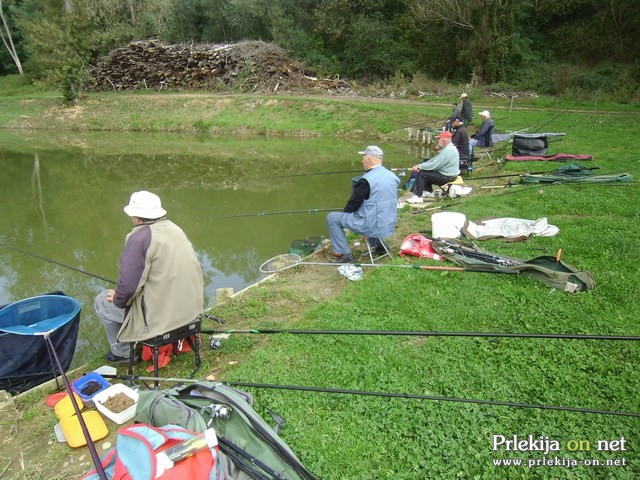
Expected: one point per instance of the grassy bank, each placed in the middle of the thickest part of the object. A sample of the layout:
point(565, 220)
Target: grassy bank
point(25, 108)
point(339, 436)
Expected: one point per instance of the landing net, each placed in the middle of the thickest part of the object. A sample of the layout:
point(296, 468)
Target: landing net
point(280, 263)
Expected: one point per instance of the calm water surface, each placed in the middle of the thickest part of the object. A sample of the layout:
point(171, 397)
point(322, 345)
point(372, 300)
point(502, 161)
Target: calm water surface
point(63, 195)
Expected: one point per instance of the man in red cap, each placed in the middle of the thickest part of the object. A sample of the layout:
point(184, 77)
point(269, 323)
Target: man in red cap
point(441, 169)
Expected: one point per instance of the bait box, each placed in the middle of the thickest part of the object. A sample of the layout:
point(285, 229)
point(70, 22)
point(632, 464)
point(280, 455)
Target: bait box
point(82, 382)
point(113, 390)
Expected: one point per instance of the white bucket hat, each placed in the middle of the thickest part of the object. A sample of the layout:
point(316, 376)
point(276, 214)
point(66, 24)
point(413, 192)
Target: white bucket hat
point(145, 205)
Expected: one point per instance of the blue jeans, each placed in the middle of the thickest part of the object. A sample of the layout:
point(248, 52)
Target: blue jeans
point(338, 237)
point(472, 143)
point(336, 233)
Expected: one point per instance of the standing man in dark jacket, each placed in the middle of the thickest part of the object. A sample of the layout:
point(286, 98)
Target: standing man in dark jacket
point(455, 113)
point(460, 139)
point(467, 109)
point(372, 209)
point(160, 287)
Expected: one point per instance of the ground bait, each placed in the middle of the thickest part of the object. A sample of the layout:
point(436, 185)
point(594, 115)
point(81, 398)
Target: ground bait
point(118, 403)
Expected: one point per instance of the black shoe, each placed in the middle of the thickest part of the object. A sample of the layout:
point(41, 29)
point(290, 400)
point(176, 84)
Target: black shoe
point(346, 258)
point(111, 358)
point(379, 250)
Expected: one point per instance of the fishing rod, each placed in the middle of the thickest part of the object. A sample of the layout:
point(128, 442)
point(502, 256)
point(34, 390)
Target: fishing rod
point(263, 214)
point(384, 394)
point(285, 261)
point(556, 336)
point(523, 173)
point(556, 117)
point(58, 263)
point(336, 172)
point(432, 398)
point(467, 251)
point(83, 425)
point(539, 186)
point(228, 447)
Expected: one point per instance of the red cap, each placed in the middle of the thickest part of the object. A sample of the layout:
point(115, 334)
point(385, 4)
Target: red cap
point(444, 135)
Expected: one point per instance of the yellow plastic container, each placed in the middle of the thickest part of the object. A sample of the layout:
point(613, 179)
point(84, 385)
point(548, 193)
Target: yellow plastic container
point(64, 408)
point(73, 431)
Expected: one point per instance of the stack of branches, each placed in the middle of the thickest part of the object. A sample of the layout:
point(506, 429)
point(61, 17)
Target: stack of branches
point(247, 66)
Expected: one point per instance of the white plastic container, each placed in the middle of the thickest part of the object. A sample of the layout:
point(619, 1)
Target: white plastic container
point(113, 390)
point(447, 224)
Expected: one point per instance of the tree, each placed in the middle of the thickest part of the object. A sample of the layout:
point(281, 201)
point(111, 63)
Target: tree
point(65, 39)
point(484, 31)
point(7, 40)
point(371, 51)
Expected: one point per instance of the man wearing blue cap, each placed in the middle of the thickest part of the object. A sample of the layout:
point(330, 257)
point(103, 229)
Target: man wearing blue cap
point(372, 209)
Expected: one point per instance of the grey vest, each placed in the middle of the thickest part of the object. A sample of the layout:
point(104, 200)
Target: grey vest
point(378, 214)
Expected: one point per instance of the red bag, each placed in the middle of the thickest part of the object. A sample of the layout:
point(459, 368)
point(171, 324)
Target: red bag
point(165, 352)
point(417, 245)
point(135, 455)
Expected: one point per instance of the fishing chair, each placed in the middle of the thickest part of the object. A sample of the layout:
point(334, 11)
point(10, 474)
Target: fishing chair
point(371, 250)
point(495, 152)
point(172, 337)
point(447, 186)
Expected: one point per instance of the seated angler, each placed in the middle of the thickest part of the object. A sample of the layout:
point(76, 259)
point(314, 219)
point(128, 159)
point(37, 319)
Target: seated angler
point(438, 170)
point(372, 209)
point(483, 137)
point(460, 138)
point(160, 287)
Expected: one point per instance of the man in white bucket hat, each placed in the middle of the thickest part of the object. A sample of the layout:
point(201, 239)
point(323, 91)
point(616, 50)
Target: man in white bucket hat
point(160, 287)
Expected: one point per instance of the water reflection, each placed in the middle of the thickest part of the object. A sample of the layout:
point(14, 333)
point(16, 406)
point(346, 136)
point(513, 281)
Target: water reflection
point(63, 197)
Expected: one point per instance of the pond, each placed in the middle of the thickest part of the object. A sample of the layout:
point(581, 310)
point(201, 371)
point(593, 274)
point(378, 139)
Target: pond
point(62, 225)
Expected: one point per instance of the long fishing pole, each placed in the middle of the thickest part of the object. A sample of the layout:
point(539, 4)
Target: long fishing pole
point(285, 261)
point(540, 186)
point(339, 171)
point(85, 430)
point(556, 117)
point(383, 394)
point(432, 398)
point(521, 174)
point(264, 214)
point(58, 263)
point(557, 336)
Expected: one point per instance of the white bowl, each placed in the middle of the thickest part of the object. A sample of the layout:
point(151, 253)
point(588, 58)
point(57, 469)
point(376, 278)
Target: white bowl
point(100, 398)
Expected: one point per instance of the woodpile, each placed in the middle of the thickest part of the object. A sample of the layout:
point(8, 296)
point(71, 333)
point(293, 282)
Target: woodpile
point(250, 66)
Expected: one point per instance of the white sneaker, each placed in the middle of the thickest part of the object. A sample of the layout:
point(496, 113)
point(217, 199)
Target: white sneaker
point(426, 194)
point(415, 199)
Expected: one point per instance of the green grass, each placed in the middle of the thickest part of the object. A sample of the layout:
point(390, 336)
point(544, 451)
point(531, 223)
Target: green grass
point(367, 437)
point(341, 436)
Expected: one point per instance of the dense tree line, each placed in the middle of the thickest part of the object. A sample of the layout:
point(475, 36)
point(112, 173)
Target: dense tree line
point(550, 46)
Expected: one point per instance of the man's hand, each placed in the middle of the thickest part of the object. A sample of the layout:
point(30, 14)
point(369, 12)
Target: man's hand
point(110, 295)
point(415, 168)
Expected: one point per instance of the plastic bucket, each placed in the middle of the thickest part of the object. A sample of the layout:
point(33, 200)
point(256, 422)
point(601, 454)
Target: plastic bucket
point(447, 224)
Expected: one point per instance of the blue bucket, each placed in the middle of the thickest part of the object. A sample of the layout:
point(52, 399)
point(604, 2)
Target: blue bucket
point(38, 315)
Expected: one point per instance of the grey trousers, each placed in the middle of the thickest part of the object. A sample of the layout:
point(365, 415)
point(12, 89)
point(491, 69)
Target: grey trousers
point(111, 318)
